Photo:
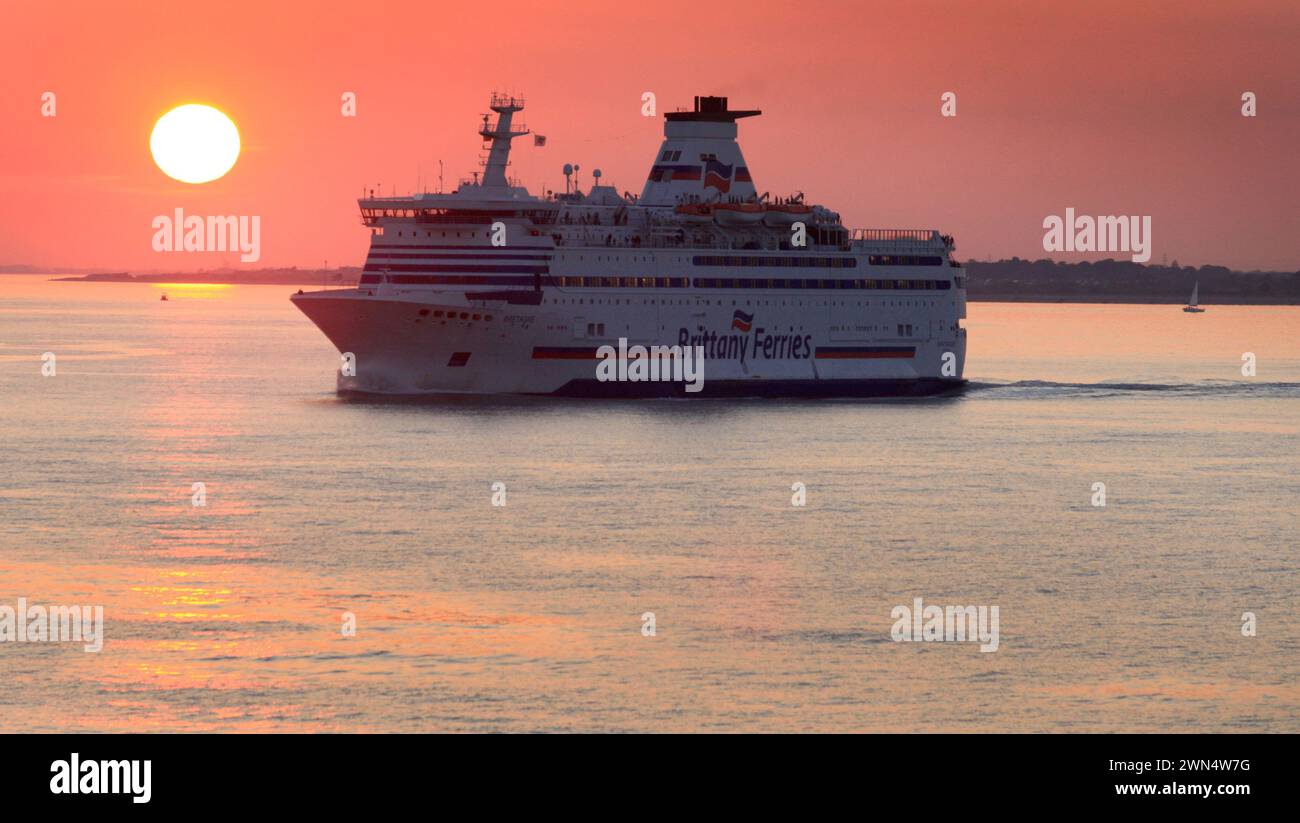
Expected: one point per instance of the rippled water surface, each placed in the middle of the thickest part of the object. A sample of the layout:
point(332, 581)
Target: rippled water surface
point(528, 617)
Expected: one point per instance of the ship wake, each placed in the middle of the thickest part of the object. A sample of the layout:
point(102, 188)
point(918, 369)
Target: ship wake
point(1039, 389)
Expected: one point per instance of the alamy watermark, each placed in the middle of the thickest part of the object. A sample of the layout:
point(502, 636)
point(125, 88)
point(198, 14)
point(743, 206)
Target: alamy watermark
point(215, 233)
point(633, 364)
point(53, 624)
point(77, 776)
point(1104, 233)
point(938, 624)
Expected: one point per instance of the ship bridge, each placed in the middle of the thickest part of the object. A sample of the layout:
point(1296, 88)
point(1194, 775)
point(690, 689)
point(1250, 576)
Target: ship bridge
point(474, 201)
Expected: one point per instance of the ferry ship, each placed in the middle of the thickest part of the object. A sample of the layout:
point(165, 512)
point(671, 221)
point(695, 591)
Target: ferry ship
point(492, 290)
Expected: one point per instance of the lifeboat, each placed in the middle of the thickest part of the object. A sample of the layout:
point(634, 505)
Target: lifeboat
point(738, 214)
point(695, 212)
point(786, 215)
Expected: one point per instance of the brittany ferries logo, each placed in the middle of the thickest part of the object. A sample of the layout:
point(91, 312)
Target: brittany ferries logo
point(745, 346)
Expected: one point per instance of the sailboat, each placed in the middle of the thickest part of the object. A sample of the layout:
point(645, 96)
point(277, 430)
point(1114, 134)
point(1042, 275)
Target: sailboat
point(1191, 304)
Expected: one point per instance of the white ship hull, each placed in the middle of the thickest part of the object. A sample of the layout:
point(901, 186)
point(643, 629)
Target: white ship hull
point(400, 347)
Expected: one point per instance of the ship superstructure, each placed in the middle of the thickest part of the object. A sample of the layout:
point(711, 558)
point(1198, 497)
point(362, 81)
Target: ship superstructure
point(490, 289)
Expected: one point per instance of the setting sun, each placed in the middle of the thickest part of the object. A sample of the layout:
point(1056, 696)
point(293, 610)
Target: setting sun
point(194, 143)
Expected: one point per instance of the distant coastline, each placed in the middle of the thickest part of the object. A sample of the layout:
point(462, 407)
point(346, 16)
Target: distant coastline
point(1122, 281)
point(1129, 299)
point(1005, 281)
point(260, 277)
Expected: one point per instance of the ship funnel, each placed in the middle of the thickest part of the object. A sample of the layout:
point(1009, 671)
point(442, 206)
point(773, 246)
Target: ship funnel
point(699, 159)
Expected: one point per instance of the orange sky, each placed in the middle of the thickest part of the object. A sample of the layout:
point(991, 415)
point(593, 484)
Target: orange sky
point(1108, 107)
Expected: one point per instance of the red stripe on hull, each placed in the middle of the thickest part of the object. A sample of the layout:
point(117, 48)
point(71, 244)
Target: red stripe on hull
point(888, 355)
point(576, 355)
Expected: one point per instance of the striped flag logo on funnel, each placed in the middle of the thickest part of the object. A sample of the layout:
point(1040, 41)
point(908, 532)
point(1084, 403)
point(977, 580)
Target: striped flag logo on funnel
point(743, 322)
point(717, 175)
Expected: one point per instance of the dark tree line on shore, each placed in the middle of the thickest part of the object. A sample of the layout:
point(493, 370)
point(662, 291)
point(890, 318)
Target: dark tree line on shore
point(1123, 279)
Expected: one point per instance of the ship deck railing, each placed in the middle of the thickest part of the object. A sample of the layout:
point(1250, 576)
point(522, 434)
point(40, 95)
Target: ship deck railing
point(633, 237)
point(681, 237)
point(916, 237)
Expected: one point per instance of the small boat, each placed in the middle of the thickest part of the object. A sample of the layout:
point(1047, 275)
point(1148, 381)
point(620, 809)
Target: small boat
point(786, 215)
point(164, 296)
point(738, 214)
point(695, 212)
point(1192, 306)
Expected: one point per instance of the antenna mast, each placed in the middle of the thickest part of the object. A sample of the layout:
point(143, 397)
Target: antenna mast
point(500, 134)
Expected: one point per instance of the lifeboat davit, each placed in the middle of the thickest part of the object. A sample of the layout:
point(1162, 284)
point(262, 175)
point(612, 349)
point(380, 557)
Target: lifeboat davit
point(695, 212)
point(738, 214)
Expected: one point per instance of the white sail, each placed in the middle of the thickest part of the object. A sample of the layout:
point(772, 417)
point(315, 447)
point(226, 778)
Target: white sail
point(1196, 288)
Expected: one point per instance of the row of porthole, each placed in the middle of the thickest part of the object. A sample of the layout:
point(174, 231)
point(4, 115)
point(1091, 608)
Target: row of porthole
point(444, 234)
point(704, 302)
point(451, 315)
